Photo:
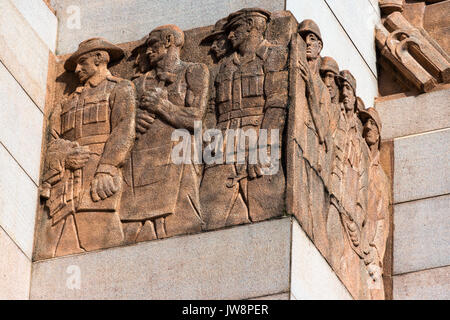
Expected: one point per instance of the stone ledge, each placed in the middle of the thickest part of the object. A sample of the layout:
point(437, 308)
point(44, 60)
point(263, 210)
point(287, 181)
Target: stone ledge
point(236, 263)
point(417, 114)
point(257, 261)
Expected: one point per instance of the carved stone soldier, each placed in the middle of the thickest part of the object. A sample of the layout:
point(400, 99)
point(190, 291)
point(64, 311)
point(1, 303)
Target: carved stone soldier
point(218, 40)
point(250, 94)
point(92, 133)
point(329, 71)
point(220, 47)
point(161, 197)
point(377, 225)
point(317, 128)
point(348, 212)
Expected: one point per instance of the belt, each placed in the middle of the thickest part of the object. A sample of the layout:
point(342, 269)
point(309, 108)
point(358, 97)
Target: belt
point(241, 113)
point(95, 139)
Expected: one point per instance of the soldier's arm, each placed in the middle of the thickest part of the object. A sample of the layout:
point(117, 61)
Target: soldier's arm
point(123, 109)
point(276, 90)
point(197, 78)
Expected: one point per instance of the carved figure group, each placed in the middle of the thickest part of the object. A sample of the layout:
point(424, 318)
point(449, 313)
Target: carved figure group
point(109, 178)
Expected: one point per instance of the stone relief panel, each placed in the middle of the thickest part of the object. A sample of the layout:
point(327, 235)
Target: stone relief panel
point(413, 45)
point(183, 132)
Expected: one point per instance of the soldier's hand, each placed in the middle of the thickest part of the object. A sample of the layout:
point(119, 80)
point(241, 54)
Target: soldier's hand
point(152, 99)
point(77, 158)
point(104, 186)
point(143, 120)
point(304, 72)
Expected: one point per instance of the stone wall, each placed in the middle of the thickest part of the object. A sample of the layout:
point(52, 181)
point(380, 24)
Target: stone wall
point(27, 40)
point(242, 262)
point(419, 127)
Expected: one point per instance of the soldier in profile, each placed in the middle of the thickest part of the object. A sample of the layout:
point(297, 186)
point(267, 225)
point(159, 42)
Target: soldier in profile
point(160, 197)
point(219, 49)
point(348, 211)
point(376, 228)
point(250, 94)
point(92, 133)
point(316, 138)
point(329, 71)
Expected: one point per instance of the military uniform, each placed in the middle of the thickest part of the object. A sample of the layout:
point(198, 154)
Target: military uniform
point(249, 95)
point(155, 186)
point(316, 120)
point(376, 229)
point(100, 117)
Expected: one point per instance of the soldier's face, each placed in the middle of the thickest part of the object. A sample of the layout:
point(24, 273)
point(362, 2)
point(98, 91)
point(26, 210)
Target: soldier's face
point(313, 46)
point(156, 48)
point(348, 96)
point(239, 34)
point(86, 67)
point(218, 47)
point(371, 132)
point(329, 79)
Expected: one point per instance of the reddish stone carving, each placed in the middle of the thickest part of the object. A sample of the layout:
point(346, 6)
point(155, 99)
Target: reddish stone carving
point(409, 49)
point(376, 227)
point(111, 175)
point(161, 198)
point(250, 93)
point(92, 133)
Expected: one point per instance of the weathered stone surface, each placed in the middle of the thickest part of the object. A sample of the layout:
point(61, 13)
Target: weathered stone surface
point(23, 53)
point(416, 114)
point(421, 164)
point(237, 263)
point(311, 276)
point(338, 45)
point(113, 179)
point(15, 270)
point(41, 19)
point(359, 27)
point(433, 284)
point(418, 59)
point(104, 18)
point(435, 21)
point(21, 124)
point(18, 198)
point(422, 234)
